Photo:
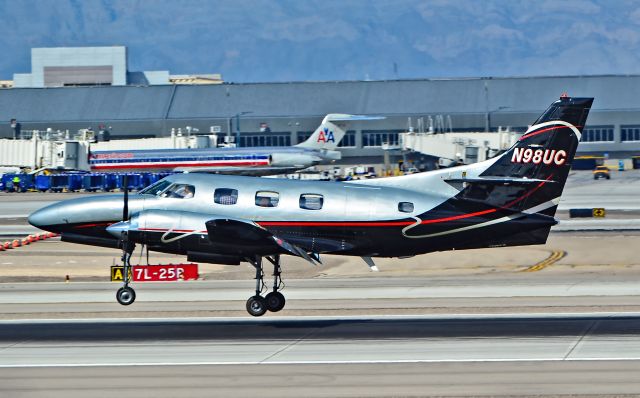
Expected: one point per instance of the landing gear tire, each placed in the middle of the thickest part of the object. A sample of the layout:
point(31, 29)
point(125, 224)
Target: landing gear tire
point(256, 306)
point(275, 301)
point(126, 295)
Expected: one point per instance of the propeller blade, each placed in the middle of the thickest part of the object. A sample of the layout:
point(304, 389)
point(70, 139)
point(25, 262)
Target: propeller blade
point(125, 208)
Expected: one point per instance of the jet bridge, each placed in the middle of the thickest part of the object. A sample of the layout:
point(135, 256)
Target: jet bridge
point(459, 147)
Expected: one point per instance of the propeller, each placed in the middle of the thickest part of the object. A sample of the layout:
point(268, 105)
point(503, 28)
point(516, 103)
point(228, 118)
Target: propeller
point(125, 208)
point(125, 244)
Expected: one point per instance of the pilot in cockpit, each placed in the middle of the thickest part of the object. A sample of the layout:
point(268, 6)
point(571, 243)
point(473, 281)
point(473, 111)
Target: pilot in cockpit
point(179, 191)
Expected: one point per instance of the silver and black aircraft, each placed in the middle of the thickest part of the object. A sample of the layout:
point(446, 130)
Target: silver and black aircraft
point(508, 200)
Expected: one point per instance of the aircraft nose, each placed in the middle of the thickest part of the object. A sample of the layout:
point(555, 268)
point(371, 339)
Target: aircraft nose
point(45, 218)
point(80, 213)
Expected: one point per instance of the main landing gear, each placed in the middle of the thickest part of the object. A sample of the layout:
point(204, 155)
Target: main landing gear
point(126, 295)
point(274, 301)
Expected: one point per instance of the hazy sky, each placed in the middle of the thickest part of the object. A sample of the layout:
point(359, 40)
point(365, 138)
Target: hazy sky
point(261, 40)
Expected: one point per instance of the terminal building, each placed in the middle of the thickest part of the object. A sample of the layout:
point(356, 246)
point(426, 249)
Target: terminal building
point(78, 88)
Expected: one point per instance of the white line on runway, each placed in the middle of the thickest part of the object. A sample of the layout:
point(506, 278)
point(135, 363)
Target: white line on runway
point(320, 362)
point(516, 315)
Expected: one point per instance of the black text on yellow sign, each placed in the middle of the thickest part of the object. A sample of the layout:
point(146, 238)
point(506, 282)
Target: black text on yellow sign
point(117, 273)
point(598, 212)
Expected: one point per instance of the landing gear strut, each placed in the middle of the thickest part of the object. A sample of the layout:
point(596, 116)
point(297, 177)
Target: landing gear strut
point(274, 301)
point(126, 295)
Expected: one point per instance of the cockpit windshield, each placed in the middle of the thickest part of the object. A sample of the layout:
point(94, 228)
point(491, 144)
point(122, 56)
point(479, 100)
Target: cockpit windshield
point(179, 191)
point(155, 189)
point(165, 189)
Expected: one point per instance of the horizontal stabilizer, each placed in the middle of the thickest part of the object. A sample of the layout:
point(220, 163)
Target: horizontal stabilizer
point(497, 180)
point(340, 117)
point(244, 171)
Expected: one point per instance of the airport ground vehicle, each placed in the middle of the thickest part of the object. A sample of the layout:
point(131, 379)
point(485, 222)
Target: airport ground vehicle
point(508, 200)
point(601, 172)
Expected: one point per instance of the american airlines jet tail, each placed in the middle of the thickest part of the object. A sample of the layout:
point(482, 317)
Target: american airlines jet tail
point(331, 131)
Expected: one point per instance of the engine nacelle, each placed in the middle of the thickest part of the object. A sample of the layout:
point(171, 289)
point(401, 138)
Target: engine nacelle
point(166, 221)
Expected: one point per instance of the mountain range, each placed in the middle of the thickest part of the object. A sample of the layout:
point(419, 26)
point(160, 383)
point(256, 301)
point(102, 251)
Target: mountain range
point(296, 40)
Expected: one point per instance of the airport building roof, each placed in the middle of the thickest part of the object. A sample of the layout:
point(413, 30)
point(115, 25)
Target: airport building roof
point(300, 99)
point(296, 107)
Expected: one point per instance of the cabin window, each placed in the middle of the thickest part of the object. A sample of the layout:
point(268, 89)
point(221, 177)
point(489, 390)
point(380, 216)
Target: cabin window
point(267, 199)
point(405, 207)
point(225, 196)
point(311, 201)
point(179, 191)
point(156, 188)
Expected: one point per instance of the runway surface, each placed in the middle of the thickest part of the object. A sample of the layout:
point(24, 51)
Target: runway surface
point(497, 294)
point(553, 320)
point(335, 356)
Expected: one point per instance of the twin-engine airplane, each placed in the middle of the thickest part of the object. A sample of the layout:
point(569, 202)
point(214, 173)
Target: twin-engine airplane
point(509, 200)
point(320, 147)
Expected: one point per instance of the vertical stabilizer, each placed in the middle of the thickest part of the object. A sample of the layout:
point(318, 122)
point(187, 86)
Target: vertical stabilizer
point(331, 131)
point(544, 153)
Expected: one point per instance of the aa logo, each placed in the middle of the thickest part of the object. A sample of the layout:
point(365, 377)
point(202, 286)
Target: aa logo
point(325, 136)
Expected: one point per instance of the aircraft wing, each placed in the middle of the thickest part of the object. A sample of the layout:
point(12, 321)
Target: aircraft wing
point(232, 231)
point(228, 236)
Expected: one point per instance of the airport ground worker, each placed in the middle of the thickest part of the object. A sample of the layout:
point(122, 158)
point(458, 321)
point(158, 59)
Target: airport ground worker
point(16, 183)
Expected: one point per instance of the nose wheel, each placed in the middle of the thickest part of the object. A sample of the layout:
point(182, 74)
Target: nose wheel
point(274, 301)
point(126, 295)
point(256, 305)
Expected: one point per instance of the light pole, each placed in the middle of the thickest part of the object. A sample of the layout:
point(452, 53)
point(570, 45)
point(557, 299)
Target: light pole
point(487, 127)
point(237, 116)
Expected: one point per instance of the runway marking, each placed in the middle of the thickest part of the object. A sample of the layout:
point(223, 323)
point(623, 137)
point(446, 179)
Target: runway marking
point(554, 257)
point(320, 362)
point(592, 326)
point(306, 318)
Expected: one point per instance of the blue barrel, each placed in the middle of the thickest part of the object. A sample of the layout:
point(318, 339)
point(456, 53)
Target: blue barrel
point(43, 183)
point(94, 182)
point(134, 181)
point(75, 182)
point(148, 179)
point(59, 182)
point(7, 185)
point(111, 182)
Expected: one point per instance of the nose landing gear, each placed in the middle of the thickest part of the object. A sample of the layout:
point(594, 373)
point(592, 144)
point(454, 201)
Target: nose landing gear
point(274, 301)
point(126, 295)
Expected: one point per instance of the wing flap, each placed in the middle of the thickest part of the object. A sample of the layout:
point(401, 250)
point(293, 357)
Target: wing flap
point(249, 238)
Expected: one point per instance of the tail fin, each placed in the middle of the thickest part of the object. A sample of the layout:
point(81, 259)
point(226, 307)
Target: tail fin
point(331, 131)
point(539, 163)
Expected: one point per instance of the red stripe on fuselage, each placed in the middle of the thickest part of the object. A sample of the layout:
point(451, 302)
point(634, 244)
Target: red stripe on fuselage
point(160, 165)
point(395, 223)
